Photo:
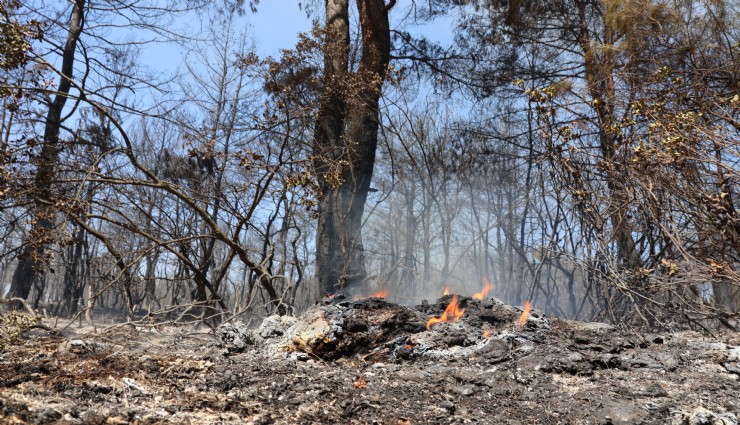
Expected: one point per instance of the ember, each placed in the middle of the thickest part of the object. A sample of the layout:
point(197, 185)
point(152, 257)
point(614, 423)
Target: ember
point(380, 294)
point(361, 384)
point(487, 332)
point(486, 287)
point(525, 314)
point(451, 314)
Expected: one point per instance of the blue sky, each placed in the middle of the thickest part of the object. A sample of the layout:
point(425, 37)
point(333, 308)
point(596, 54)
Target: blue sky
point(277, 22)
point(276, 25)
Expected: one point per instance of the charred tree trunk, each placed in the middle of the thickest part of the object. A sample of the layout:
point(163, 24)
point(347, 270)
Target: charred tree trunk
point(78, 265)
point(150, 281)
point(126, 276)
point(34, 257)
point(74, 274)
point(328, 149)
point(599, 67)
point(408, 275)
point(345, 139)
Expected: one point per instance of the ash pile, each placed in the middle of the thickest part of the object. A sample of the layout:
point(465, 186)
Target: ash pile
point(377, 330)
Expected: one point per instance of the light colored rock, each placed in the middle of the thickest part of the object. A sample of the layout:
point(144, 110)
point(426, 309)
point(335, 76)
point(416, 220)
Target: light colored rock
point(235, 336)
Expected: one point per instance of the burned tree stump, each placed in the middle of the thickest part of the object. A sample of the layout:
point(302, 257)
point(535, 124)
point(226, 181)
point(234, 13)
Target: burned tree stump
point(377, 330)
point(354, 327)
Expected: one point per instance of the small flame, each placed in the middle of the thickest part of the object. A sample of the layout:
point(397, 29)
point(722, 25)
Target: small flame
point(486, 287)
point(380, 294)
point(447, 291)
point(525, 314)
point(361, 384)
point(451, 314)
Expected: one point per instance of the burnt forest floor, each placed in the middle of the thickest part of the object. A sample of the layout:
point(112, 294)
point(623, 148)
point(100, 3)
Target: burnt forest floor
point(572, 373)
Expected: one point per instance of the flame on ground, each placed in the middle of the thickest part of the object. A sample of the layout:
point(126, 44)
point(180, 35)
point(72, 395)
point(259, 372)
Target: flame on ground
point(447, 291)
point(525, 314)
point(451, 314)
point(486, 287)
point(361, 384)
point(380, 294)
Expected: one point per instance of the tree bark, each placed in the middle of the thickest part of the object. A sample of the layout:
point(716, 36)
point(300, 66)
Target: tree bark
point(74, 274)
point(599, 67)
point(34, 257)
point(346, 138)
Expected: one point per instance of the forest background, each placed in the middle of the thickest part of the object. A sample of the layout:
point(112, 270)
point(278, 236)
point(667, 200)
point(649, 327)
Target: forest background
point(579, 153)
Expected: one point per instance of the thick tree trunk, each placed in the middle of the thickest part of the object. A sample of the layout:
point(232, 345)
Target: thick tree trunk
point(34, 257)
point(346, 138)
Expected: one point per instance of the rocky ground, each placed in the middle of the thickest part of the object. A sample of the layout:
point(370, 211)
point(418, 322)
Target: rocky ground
point(371, 362)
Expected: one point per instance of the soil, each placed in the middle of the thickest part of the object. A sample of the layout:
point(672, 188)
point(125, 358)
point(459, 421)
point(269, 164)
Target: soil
point(373, 362)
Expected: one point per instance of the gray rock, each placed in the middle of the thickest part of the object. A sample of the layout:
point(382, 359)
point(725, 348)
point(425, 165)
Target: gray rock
point(734, 355)
point(726, 419)
point(299, 356)
point(235, 336)
point(669, 361)
point(463, 390)
point(48, 415)
point(495, 350)
point(622, 414)
point(702, 416)
point(79, 347)
point(275, 326)
point(657, 361)
point(652, 390)
point(732, 367)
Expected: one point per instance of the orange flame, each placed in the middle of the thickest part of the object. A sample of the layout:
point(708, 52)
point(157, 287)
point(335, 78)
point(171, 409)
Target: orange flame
point(361, 384)
point(486, 287)
point(447, 291)
point(525, 314)
point(380, 294)
point(451, 314)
